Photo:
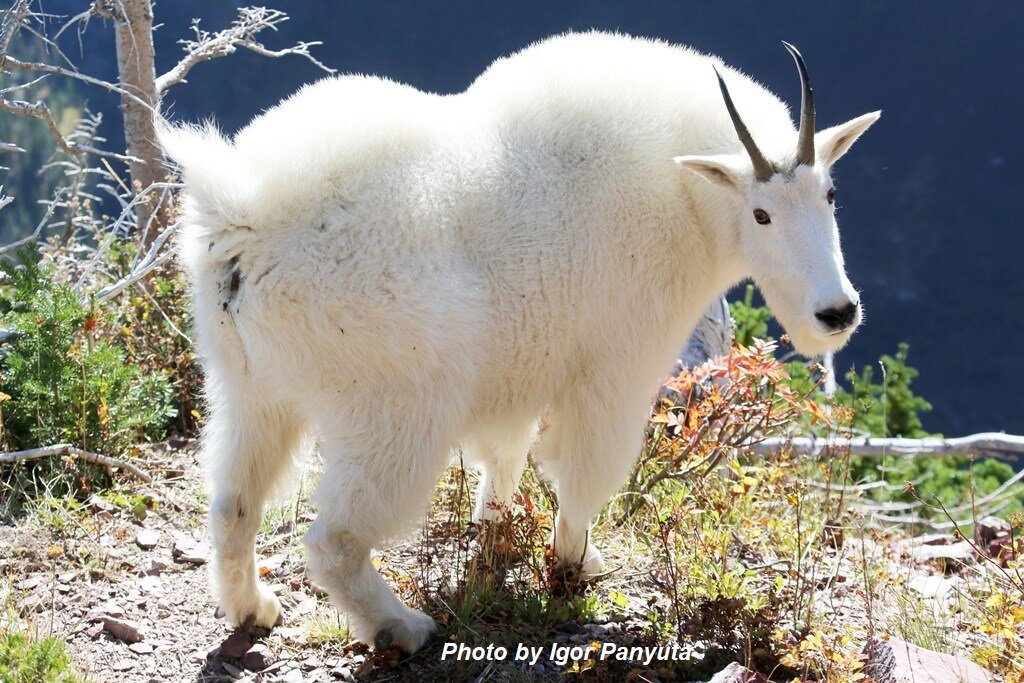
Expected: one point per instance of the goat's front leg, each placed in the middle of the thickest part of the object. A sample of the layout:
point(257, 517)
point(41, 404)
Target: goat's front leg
point(588, 453)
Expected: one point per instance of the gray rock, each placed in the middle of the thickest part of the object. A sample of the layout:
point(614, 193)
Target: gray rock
point(950, 557)
point(737, 673)
point(897, 661)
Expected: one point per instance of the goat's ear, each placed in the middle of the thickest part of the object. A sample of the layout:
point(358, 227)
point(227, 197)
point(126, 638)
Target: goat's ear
point(720, 170)
point(832, 143)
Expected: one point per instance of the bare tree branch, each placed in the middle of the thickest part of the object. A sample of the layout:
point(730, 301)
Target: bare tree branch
point(39, 110)
point(241, 34)
point(34, 237)
point(989, 443)
point(40, 67)
point(68, 449)
point(148, 264)
point(12, 24)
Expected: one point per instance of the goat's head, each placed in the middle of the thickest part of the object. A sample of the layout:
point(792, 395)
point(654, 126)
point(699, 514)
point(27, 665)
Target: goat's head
point(788, 234)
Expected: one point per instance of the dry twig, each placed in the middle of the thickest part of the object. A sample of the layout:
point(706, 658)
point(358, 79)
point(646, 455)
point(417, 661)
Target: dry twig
point(68, 449)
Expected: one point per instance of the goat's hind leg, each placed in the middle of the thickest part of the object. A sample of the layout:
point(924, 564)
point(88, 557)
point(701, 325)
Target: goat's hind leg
point(373, 488)
point(248, 446)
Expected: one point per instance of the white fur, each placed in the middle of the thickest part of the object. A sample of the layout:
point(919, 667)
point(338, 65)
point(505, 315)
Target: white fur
point(398, 272)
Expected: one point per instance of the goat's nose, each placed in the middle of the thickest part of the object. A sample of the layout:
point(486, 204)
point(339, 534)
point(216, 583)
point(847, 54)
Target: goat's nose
point(838, 318)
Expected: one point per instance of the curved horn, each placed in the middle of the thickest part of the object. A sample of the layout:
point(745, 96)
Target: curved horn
point(805, 142)
point(763, 170)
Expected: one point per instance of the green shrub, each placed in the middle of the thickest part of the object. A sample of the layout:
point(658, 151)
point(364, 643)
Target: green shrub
point(888, 408)
point(23, 660)
point(750, 321)
point(65, 383)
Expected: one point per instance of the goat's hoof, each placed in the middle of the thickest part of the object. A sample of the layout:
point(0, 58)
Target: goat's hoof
point(409, 632)
point(219, 613)
point(261, 609)
point(383, 640)
point(591, 567)
point(593, 564)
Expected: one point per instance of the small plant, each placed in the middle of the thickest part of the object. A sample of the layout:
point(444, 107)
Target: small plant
point(63, 381)
point(750, 321)
point(152, 324)
point(24, 660)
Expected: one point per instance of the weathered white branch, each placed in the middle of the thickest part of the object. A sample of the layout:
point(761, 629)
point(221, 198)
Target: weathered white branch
point(142, 271)
point(241, 34)
point(34, 237)
point(68, 449)
point(40, 67)
point(988, 443)
point(39, 110)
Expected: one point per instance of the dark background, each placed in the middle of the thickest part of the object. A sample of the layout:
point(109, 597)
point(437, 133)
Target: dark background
point(930, 198)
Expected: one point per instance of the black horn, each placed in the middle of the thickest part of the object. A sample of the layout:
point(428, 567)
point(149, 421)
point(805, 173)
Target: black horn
point(805, 141)
point(763, 169)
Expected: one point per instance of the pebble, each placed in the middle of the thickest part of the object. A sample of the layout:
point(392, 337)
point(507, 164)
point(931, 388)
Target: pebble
point(258, 657)
point(147, 539)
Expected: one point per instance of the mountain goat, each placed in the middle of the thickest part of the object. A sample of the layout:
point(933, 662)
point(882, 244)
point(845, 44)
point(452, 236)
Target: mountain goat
point(396, 272)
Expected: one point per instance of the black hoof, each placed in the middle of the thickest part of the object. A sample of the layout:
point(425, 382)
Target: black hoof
point(384, 639)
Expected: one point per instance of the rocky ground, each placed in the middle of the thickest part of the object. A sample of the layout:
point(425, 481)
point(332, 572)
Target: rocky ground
point(121, 579)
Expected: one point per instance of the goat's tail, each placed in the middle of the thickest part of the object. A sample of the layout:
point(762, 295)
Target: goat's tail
point(216, 178)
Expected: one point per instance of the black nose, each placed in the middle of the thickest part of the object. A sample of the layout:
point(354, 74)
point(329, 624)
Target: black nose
point(838, 319)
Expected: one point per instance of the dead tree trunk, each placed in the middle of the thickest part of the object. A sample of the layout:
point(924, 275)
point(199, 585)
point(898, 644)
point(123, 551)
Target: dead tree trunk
point(711, 338)
point(133, 30)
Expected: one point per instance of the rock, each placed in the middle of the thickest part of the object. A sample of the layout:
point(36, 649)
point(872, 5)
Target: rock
point(950, 557)
point(232, 670)
point(151, 585)
point(987, 529)
point(931, 586)
point(995, 536)
point(147, 539)
point(897, 661)
point(236, 645)
point(258, 658)
point(737, 673)
point(307, 606)
point(141, 648)
point(123, 665)
point(94, 630)
point(189, 551)
point(122, 629)
point(931, 539)
point(155, 567)
point(97, 504)
point(30, 583)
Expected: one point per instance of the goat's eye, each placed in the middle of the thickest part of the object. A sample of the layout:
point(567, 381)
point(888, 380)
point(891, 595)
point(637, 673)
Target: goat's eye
point(762, 217)
point(831, 196)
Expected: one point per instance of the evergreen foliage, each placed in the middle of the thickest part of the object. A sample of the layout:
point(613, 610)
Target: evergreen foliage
point(63, 382)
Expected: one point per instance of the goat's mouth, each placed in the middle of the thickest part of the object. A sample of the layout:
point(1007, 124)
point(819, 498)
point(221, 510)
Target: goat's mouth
point(812, 339)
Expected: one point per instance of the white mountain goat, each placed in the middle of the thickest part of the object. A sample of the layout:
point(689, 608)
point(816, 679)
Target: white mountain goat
point(396, 272)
